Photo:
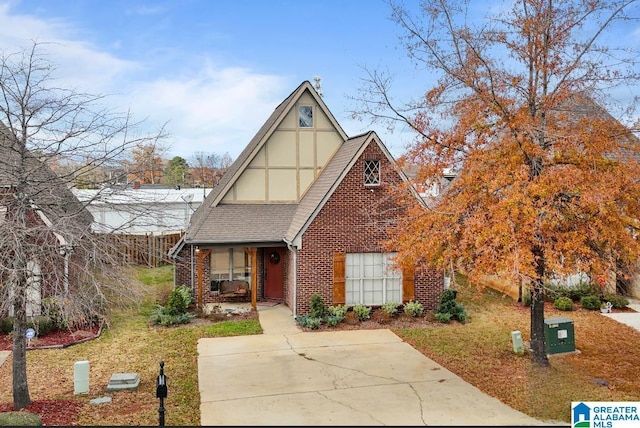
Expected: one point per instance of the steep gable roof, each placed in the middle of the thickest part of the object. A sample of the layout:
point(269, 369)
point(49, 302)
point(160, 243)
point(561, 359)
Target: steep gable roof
point(201, 216)
point(46, 190)
point(331, 177)
point(253, 223)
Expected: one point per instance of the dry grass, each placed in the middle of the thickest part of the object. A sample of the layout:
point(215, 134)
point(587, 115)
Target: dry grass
point(480, 351)
point(130, 345)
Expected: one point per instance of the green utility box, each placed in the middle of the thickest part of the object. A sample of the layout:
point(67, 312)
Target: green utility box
point(559, 336)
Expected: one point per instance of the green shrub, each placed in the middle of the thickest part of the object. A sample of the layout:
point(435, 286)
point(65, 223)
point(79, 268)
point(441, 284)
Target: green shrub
point(318, 308)
point(390, 307)
point(41, 324)
point(333, 320)
point(338, 310)
point(19, 419)
point(526, 297)
point(164, 316)
point(308, 321)
point(363, 312)
point(616, 300)
point(179, 300)
point(415, 309)
point(563, 304)
point(443, 317)
point(6, 325)
point(576, 292)
point(53, 308)
point(591, 302)
point(448, 305)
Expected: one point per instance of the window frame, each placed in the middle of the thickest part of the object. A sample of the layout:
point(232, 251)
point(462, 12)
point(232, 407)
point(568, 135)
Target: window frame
point(371, 172)
point(301, 117)
point(233, 271)
point(374, 278)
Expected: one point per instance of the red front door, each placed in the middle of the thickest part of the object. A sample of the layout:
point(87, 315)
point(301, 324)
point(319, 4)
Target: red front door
point(274, 273)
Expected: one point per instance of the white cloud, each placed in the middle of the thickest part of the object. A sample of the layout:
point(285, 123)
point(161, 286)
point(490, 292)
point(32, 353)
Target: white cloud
point(216, 110)
point(209, 107)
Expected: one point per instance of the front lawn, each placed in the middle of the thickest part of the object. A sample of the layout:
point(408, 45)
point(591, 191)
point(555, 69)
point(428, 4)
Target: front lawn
point(480, 351)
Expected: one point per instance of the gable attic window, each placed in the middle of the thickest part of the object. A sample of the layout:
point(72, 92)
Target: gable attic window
point(305, 117)
point(371, 172)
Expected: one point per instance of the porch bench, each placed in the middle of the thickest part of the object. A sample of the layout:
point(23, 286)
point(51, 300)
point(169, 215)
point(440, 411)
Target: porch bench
point(236, 290)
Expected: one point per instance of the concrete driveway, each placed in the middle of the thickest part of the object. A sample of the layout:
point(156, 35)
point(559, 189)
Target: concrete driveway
point(364, 377)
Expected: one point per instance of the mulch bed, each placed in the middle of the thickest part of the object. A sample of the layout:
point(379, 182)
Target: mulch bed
point(51, 412)
point(54, 339)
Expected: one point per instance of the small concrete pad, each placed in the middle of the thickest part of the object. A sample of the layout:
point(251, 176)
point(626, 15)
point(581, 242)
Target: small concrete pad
point(120, 381)
point(100, 400)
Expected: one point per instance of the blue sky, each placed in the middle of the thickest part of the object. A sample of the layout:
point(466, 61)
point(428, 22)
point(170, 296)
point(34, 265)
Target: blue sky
point(214, 69)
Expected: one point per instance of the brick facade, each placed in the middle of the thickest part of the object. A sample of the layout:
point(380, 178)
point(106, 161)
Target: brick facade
point(355, 219)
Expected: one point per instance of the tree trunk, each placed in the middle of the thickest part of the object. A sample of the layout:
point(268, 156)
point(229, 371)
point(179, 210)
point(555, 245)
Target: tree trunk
point(537, 324)
point(537, 311)
point(21, 397)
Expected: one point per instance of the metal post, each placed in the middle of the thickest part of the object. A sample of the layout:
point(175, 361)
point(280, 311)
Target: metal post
point(161, 393)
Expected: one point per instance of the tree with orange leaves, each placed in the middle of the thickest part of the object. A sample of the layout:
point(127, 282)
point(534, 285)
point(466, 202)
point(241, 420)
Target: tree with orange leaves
point(547, 180)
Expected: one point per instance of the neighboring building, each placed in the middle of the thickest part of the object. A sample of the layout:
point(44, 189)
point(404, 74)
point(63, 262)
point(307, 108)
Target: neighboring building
point(304, 209)
point(141, 210)
point(55, 224)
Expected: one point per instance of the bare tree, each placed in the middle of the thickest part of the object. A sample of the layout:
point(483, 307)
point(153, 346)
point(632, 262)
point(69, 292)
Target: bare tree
point(46, 245)
point(547, 180)
point(147, 165)
point(209, 167)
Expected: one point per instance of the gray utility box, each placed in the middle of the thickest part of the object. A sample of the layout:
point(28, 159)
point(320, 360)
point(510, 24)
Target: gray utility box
point(559, 335)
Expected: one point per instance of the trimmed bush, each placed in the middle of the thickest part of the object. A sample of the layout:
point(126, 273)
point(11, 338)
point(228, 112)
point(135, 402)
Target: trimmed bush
point(308, 321)
point(563, 304)
point(575, 293)
point(390, 307)
point(41, 324)
point(363, 312)
point(318, 308)
point(6, 325)
point(591, 302)
point(414, 309)
point(333, 320)
point(617, 301)
point(338, 310)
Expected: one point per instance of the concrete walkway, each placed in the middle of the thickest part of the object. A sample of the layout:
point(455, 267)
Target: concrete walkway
point(629, 318)
point(3, 356)
point(357, 377)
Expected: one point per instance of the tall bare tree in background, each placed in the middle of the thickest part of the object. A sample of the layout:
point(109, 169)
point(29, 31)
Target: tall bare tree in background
point(209, 167)
point(548, 182)
point(147, 166)
point(46, 245)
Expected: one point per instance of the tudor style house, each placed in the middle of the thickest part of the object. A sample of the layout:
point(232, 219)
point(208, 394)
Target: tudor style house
point(54, 219)
point(304, 209)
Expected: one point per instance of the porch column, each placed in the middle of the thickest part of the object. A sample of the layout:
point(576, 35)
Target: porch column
point(254, 277)
point(200, 254)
